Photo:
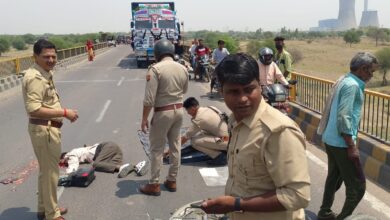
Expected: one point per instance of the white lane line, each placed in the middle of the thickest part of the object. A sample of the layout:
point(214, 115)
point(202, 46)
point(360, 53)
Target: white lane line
point(120, 81)
point(374, 202)
point(101, 116)
point(60, 190)
point(214, 176)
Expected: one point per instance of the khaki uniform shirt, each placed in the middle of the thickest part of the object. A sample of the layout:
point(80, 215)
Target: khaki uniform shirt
point(267, 153)
point(208, 121)
point(284, 62)
point(167, 82)
point(39, 91)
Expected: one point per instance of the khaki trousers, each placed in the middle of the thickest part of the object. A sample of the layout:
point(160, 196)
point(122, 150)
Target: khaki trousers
point(46, 142)
point(208, 144)
point(107, 157)
point(165, 125)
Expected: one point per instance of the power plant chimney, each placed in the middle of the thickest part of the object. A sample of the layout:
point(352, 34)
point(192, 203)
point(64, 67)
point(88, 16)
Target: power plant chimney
point(346, 19)
point(369, 18)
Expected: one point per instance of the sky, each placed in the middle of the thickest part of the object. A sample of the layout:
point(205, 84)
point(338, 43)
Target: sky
point(89, 16)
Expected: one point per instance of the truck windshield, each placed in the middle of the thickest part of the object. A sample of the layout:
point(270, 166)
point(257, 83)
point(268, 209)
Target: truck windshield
point(166, 24)
point(143, 24)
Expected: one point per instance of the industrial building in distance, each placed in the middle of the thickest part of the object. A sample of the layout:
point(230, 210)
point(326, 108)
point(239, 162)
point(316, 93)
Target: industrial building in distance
point(347, 19)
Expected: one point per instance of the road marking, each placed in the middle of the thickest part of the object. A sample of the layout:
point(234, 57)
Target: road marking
point(214, 176)
point(120, 81)
point(101, 116)
point(375, 203)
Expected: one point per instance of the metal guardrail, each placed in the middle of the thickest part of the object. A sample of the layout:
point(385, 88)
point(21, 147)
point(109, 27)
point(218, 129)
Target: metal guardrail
point(16, 65)
point(311, 92)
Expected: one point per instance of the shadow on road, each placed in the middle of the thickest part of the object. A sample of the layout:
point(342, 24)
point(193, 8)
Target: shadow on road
point(129, 62)
point(18, 213)
point(127, 188)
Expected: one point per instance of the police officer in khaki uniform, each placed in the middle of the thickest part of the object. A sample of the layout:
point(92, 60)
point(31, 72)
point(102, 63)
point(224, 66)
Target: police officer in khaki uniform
point(268, 171)
point(208, 132)
point(45, 120)
point(167, 82)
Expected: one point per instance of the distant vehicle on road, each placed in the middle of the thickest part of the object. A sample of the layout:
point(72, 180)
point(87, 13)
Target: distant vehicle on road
point(152, 21)
point(111, 41)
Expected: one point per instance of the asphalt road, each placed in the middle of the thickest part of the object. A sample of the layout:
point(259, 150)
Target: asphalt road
point(108, 95)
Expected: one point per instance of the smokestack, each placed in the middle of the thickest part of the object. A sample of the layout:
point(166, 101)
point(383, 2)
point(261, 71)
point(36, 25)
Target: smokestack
point(369, 18)
point(346, 19)
point(365, 5)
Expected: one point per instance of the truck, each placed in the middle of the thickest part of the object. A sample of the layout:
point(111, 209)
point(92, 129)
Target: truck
point(150, 22)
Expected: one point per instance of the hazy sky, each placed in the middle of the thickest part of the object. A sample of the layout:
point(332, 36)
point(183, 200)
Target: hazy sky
point(85, 16)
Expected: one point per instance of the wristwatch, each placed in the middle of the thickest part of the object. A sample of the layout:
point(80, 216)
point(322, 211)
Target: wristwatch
point(237, 204)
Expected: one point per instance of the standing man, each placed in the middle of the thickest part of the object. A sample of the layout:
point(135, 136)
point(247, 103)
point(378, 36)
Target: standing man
point(268, 171)
point(217, 56)
point(167, 82)
point(283, 58)
point(219, 53)
point(208, 132)
point(339, 128)
point(45, 120)
point(192, 53)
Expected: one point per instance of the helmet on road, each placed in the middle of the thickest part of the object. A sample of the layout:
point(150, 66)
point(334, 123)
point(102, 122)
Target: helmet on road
point(266, 55)
point(163, 47)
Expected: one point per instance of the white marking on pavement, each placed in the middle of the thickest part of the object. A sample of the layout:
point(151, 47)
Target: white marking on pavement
point(214, 176)
point(101, 116)
point(375, 203)
point(317, 160)
point(120, 81)
point(60, 190)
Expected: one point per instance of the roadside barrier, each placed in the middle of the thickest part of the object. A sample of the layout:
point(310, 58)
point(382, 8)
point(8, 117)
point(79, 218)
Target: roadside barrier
point(17, 65)
point(11, 70)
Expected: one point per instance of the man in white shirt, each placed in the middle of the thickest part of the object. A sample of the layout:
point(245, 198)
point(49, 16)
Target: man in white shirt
point(220, 52)
point(105, 157)
point(218, 55)
point(192, 52)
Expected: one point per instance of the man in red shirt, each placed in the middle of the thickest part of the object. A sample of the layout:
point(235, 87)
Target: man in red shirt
point(200, 51)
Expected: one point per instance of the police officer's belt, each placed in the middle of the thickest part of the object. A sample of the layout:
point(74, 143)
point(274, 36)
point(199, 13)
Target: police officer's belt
point(168, 107)
point(36, 121)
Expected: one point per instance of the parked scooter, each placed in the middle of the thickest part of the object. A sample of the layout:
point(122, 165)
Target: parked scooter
point(277, 95)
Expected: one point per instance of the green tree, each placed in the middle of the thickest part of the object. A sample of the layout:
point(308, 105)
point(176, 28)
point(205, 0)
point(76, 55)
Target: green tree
point(254, 46)
point(29, 38)
point(60, 42)
point(352, 37)
point(378, 34)
point(4, 45)
point(19, 44)
point(383, 56)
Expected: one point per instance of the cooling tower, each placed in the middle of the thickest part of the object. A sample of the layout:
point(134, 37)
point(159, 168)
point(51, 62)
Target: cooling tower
point(346, 19)
point(369, 18)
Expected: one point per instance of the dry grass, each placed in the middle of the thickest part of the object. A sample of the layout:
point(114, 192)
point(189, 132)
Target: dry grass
point(13, 53)
point(329, 58)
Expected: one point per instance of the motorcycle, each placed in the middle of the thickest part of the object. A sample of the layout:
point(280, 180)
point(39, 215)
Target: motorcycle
point(180, 60)
point(203, 67)
point(277, 95)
